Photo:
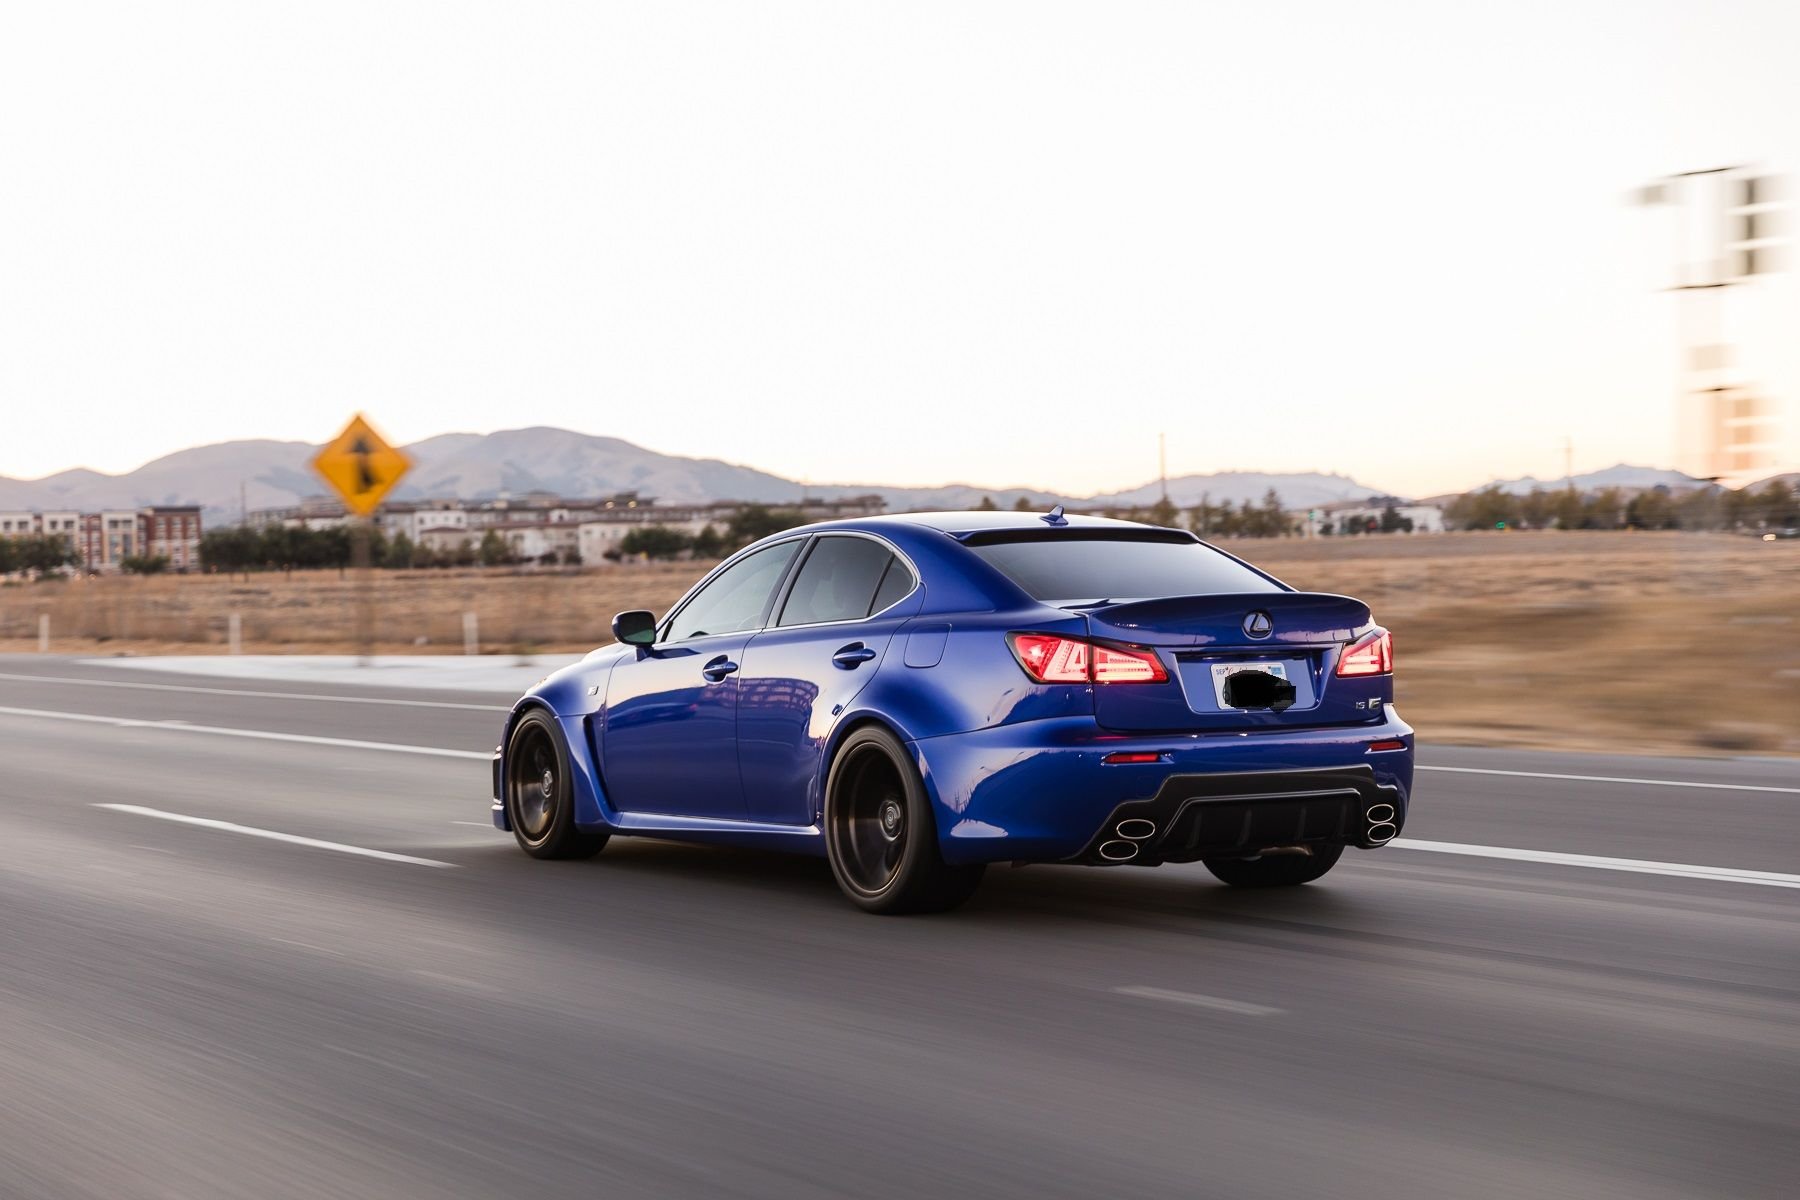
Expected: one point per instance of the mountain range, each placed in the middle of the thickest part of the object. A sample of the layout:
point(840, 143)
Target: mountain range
point(1624, 475)
point(228, 476)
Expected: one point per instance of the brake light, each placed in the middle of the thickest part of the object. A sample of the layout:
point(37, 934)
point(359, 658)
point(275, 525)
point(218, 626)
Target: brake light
point(1115, 664)
point(1048, 658)
point(1370, 655)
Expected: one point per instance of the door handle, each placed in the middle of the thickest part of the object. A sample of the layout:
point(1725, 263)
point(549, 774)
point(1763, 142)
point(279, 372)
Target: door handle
point(852, 656)
point(718, 668)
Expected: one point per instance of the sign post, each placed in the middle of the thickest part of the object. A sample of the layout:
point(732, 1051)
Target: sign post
point(361, 468)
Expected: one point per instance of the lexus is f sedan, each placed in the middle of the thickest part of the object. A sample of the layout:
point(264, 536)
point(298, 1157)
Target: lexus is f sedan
point(914, 697)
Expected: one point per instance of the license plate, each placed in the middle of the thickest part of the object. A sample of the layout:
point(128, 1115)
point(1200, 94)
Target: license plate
point(1223, 671)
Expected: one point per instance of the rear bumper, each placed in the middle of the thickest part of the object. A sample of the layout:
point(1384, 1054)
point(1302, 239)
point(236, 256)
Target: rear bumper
point(1038, 791)
point(1238, 813)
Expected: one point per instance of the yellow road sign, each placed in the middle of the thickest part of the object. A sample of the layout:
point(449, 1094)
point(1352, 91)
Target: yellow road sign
point(361, 466)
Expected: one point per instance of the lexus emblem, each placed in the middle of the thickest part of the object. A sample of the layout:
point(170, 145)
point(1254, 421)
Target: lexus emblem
point(1259, 624)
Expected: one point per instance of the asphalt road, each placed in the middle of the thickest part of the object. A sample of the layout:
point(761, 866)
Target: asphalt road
point(188, 1011)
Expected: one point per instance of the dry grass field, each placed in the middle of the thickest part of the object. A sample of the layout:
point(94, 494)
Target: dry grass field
point(1662, 643)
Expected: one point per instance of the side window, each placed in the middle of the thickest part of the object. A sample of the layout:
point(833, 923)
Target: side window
point(896, 583)
point(735, 599)
point(837, 582)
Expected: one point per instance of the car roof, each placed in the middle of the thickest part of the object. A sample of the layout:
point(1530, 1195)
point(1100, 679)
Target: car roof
point(959, 524)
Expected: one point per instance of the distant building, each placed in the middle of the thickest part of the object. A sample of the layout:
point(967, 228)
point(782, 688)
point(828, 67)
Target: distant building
point(171, 531)
point(105, 539)
point(413, 519)
point(540, 523)
point(1365, 516)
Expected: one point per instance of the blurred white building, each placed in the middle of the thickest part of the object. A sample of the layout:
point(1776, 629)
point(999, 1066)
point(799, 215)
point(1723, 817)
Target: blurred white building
point(1368, 516)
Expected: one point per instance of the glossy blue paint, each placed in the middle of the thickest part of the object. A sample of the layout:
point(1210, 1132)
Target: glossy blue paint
point(1013, 767)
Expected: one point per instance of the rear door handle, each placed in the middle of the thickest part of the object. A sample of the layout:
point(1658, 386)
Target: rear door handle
point(852, 656)
point(718, 668)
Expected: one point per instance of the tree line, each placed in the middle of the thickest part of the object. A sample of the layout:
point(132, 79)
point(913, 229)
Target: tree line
point(241, 548)
point(1775, 505)
point(751, 523)
point(43, 553)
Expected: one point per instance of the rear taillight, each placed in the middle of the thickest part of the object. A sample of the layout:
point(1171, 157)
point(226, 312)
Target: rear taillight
point(1369, 655)
point(1048, 658)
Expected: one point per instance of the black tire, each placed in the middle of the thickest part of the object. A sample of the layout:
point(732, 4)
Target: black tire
point(539, 792)
point(1275, 870)
point(880, 835)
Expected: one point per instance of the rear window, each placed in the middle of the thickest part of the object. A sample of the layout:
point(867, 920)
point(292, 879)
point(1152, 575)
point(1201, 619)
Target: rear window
point(1065, 569)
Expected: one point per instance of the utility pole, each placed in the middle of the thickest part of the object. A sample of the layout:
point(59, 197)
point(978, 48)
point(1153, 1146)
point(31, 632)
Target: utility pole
point(1727, 215)
point(1569, 463)
point(1162, 462)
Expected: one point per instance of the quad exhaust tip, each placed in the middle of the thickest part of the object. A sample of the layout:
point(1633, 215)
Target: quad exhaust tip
point(1117, 851)
point(1382, 832)
point(1380, 813)
point(1136, 829)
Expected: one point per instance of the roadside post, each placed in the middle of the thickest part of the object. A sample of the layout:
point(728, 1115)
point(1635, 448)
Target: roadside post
point(361, 468)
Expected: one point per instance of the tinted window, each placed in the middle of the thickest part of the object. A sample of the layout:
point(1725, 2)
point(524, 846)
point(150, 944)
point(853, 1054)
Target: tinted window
point(895, 584)
point(1063, 569)
point(837, 582)
point(736, 599)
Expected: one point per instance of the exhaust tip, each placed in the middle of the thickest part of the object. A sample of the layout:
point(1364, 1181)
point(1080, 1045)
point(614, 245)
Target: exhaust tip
point(1118, 851)
point(1136, 828)
point(1382, 832)
point(1380, 813)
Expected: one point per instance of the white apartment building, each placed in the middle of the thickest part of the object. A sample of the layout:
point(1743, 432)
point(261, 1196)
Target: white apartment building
point(529, 541)
point(1425, 518)
point(415, 519)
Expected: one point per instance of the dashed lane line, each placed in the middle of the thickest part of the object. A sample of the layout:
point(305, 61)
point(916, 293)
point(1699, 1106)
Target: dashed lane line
point(293, 839)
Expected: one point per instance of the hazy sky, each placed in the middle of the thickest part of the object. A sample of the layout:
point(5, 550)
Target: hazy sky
point(996, 242)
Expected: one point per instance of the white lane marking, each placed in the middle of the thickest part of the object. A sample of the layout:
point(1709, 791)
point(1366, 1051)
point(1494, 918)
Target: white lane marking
point(309, 946)
point(292, 839)
point(476, 824)
point(1637, 865)
point(211, 691)
point(1243, 1008)
point(264, 734)
point(1680, 783)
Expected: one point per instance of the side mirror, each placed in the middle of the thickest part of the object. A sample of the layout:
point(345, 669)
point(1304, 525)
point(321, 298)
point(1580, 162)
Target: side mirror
point(635, 628)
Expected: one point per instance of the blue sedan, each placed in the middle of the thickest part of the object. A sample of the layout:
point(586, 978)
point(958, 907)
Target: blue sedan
point(914, 697)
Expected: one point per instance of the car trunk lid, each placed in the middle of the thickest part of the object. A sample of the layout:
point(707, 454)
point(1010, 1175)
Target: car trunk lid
point(1202, 640)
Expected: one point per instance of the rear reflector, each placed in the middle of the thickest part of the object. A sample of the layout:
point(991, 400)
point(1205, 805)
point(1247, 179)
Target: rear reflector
point(1049, 658)
point(1370, 655)
point(1387, 744)
point(1131, 756)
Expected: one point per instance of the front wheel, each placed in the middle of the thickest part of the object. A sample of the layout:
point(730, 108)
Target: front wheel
point(540, 795)
point(879, 832)
point(1275, 870)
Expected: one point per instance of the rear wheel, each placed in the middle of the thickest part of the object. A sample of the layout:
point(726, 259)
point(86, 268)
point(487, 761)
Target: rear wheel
point(1275, 870)
point(879, 831)
point(540, 796)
